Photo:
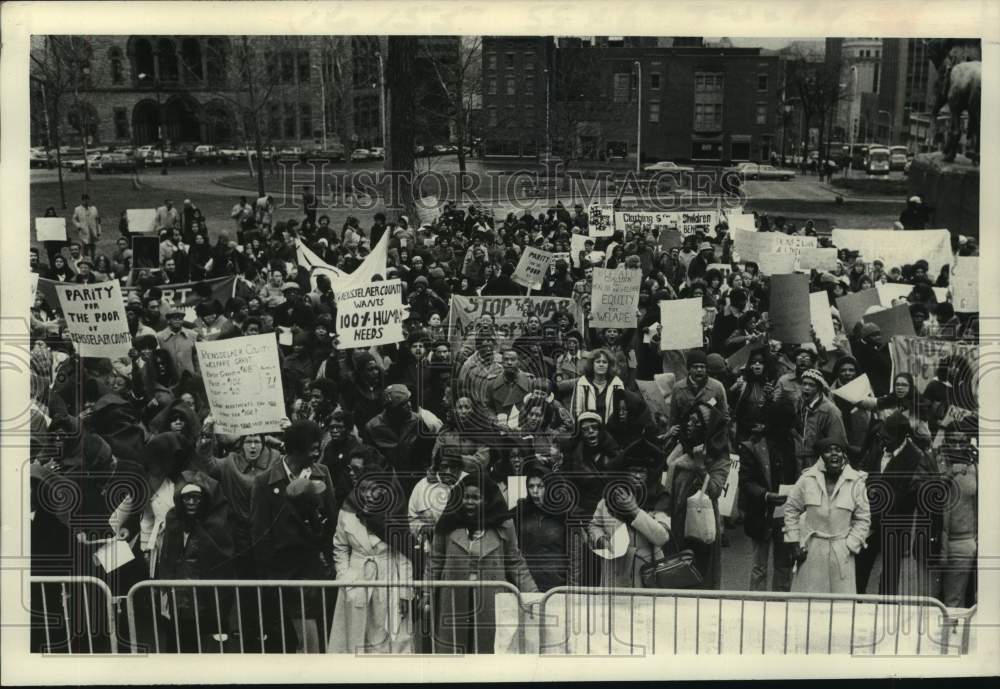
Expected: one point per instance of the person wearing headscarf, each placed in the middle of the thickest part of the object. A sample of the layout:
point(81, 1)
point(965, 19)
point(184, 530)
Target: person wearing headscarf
point(540, 522)
point(700, 460)
point(468, 432)
point(827, 519)
point(634, 499)
point(630, 418)
point(373, 542)
point(197, 544)
point(474, 540)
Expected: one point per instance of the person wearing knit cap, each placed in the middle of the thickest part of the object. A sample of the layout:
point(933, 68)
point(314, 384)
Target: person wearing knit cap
point(697, 387)
point(816, 417)
point(789, 385)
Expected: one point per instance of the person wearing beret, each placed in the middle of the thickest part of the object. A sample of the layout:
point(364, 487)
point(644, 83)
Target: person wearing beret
point(827, 520)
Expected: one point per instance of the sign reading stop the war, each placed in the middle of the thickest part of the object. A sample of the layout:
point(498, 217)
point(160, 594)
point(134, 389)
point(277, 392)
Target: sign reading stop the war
point(243, 383)
point(95, 319)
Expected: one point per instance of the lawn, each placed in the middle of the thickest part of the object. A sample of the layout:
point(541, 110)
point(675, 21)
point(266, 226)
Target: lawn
point(857, 215)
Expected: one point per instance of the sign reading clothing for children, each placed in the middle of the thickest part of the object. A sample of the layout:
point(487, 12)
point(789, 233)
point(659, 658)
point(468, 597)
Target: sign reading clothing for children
point(371, 314)
point(95, 318)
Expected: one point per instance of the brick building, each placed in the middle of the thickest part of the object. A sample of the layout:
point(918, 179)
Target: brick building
point(581, 98)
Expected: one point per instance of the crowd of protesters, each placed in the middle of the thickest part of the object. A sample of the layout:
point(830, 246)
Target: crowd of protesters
point(398, 462)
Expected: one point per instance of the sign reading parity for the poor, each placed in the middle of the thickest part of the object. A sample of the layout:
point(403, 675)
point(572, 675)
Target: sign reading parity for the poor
point(50, 229)
point(531, 267)
point(896, 248)
point(615, 298)
point(371, 314)
point(95, 318)
point(141, 219)
point(600, 220)
point(243, 382)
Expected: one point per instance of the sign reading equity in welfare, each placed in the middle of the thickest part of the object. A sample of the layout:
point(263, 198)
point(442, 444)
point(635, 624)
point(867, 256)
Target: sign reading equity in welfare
point(899, 248)
point(600, 220)
point(95, 318)
point(371, 314)
point(531, 267)
point(243, 382)
point(141, 219)
point(50, 229)
point(789, 309)
point(615, 298)
point(681, 321)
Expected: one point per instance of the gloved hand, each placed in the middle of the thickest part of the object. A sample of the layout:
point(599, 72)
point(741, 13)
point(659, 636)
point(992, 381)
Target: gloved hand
point(799, 554)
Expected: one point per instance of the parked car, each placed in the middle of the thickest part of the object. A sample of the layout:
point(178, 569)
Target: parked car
point(758, 171)
point(332, 152)
point(878, 161)
point(39, 157)
point(78, 164)
point(360, 154)
point(173, 158)
point(377, 153)
point(667, 166)
point(898, 156)
point(113, 162)
point(207, 154)
point(232, 153)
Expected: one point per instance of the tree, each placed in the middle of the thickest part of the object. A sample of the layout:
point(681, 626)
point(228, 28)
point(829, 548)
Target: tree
point(817, 86)
point(459, 81)
point(401, 104)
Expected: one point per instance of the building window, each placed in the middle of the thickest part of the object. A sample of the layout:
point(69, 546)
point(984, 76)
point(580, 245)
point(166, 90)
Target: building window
point(511, 86)
point(877, 52)
point(760, 116)
point(303, 67)
point(191, 57)
point(508, 60)
point(121, 123)
point(529, 85)
point(529, 62)
point(117, 73)
point(529, 115)
point(654, 111)
point(654, 81)
point(510, 117)
point(305, 121)
point(708, 82)
point(491, 60)
point(708, 99)
point(622, 86)
point(491, 86)
point(287, 67)
point(762, 82)
point(491, 117)
point(289, 120)
point(739, 149)
point(168, 60)
point(708, 116)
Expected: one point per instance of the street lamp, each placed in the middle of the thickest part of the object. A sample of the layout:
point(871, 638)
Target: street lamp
point(638, 118)
point(163, 120)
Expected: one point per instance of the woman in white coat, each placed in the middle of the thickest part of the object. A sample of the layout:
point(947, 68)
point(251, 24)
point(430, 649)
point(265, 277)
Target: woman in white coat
point(373, 543)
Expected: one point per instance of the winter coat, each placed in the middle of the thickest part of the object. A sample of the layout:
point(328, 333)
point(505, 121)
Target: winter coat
point(585, 397)
point(647, 533)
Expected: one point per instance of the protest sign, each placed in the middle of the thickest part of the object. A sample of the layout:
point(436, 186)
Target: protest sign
point(739, 359)
point(896, 248)
point(681, 324)
point(964, 281)
point(615, 298)
point(741, 221)
point(658, 393)
point(243, 383)
point(891, 291)
point(141, 220)
point(50, 229)
point(428, 209)
point(776, 264)
point(752, 245)
point(371, 314)
point(145, 252)
point(185, 294)
point(698, 221)
point(531, 267)
point(508, 314)
point(727, 500)
point(892, 321)
point(822, 319)
point(814, 258)
point(600, 220)
point(95, 318)
point(852, 307)
point(921, 356)
point(788, 312)
point(577, 244)
point(858, 389)
point(641, 221)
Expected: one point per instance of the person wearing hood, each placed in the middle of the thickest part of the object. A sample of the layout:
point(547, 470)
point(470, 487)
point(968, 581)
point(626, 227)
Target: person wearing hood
point(474, 540)
point(872, 353)
point(630, 419)
point(362, 389)
point(636, 500)
point(198, 545)
point(540, 524)
point(373, 542)
point(827, 520)
point(700, 461)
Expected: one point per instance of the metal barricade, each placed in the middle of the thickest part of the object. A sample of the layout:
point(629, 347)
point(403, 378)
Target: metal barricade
point(72, 614)
point(600, 621)
point(252, 616)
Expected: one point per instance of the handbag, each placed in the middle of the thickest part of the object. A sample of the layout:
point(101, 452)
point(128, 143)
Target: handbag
point(674, 572)
point(699, 523)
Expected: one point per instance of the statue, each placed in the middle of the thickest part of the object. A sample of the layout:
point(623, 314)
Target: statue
point(960, 87)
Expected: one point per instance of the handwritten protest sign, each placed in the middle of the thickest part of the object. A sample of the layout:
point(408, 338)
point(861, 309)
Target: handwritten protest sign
point(776, 264)
point(853, 306)
point(577, 244)
point(615, 298)
point(752, 245)
point(50, 229)
point(531, 267)
point(814, 258)
point(681, 321)
point(428, 209)
point(698, 221)
point(243, 383)
point(892, 321)
point(508, 314)
point(964, 281)
point(371, 314)
point(921, 356)
point(95, 318)
point(789, 309)
point(891, 291)
point(858, 389)
point(687, 222)
point(896, 249)
point(822, 319)
point(741, 221)
point(600, 220)
point(141, 219)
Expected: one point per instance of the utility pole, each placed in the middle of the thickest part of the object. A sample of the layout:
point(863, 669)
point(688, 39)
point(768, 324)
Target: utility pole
point(638, 124)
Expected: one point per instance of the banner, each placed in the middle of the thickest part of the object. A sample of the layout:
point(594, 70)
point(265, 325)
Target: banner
point(243, 383)
point(600, 220)
point(615, 298)
point(822, 319)
point(509, 315)
point(858, 389)
point(95, 318)
point(896, 248)
point(141, 220)
point(369, 315)
point(921, 356)
point(788, 311)
point(814, 258)
point(428, 209)
point(373, 264)
point(894, 321)
point(531, 267)
point(687, 222)
point(50, 229)
point(741, 221)
point(752, 245)
point(681, 324)
point(964, 281)
point(853, 306)
point(145, 252)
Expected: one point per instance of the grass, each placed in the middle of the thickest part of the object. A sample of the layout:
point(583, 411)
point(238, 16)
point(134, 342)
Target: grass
point(856, 215)
point(872, 185)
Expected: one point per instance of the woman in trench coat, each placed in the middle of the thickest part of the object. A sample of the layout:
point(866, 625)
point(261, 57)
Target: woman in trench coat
point(373, 543)
point(827, 518)
point(474, 541)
